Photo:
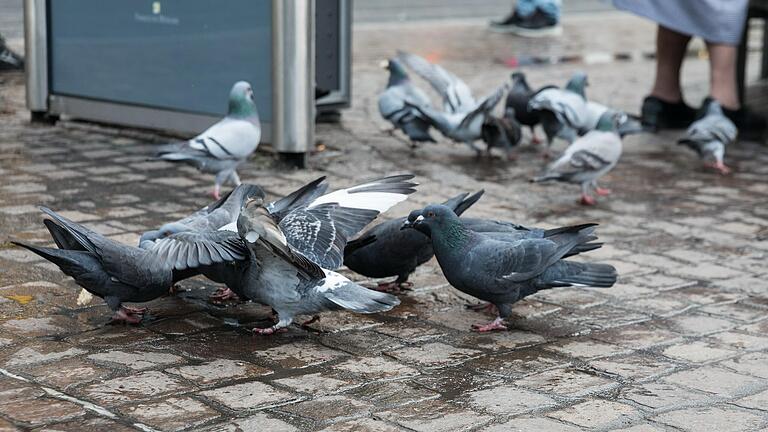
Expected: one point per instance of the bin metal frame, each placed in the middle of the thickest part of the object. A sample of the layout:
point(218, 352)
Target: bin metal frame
point(293, 76)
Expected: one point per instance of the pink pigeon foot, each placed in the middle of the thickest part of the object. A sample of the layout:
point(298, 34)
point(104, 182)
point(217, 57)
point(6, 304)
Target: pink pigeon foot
point(134, 310)
point(535, 140)
point(602, 191)
point(587, 200)
point(393, 287)
point(125, 316)
point(267, 331)
point(216, 193)
point(719, 167)
point(497, 324)
point(223, 294)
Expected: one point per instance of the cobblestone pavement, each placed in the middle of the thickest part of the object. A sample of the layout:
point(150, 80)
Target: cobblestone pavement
point(680, 343)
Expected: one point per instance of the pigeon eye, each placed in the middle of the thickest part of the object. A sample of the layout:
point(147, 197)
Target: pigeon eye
point(430, 214)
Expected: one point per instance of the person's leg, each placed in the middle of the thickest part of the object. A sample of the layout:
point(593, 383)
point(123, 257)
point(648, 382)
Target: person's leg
point(722, 80)
point(670, 51)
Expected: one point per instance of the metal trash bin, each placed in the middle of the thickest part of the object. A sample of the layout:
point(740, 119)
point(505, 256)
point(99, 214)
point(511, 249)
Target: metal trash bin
point(168, 64)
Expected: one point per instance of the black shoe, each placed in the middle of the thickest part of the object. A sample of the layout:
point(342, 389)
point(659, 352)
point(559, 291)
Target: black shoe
point(536, 24)
point(751, 126)
point(656, 114)
point(9, 60)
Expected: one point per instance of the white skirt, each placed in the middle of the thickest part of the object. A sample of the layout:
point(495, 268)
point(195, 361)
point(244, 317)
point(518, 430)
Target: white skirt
point(718, 21)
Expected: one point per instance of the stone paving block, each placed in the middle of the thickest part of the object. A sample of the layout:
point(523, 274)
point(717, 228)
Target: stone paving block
point(661, 282)
point(522, 424)
point(572, 297)
point(636, 366)
point(640, 428)
point(389, 394)
point(435, 415)
point(316, 384)
point(585, 348)
point(376, 368)
point(218, 371)
point(567, 382)
point(136, 360)
point(662, 304)
point(35, 327)
point(364, 342)
point(86, 424)
point(362, 425)
point(756, 401)
point(711, 418)
point(41, 352)
point(171, 414)
point(755, 364)
point(660, 395)
point(516, 363)
point(19, 393)
point(35, 412)
point(255, 422)
point(326, 408)
point(299, 354)
point(697, 352)
point(508, 400)
point(499, 341)
point(135, 387)
point(597, 413)
point(739, 341)
point(714, 380)
point(695, 325)
point(706, 271)
point(435, 354)
point(639, 336)
point(735, 311)
point(250, 395)
point(67, 373)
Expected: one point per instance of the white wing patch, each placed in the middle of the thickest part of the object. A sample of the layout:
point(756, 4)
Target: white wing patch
point(232, 226)
point(332, 281)
point(379, 201)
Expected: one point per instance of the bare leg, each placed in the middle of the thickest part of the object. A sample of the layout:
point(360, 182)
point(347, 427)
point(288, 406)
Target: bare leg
point(670, 51)
point(484, 307)
point(722, 80)
point(534, 138)
point(235, 178)
point(497, 324)
point(216, 191)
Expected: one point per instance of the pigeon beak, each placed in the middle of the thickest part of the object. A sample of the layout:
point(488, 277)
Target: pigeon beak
point(413, 224)
point(384, 64)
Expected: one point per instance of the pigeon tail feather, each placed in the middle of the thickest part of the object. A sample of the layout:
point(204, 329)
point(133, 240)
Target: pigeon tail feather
point(589, 275)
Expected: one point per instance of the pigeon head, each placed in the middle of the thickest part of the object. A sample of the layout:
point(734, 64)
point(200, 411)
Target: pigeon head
point(578, 83)
point(396, 70)
point(611, 120)
point(241, 100)
point(518, 77)
point(433, 218)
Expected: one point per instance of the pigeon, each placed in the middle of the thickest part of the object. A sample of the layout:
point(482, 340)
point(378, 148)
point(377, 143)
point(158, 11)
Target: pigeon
point(385, 250)
point(626, 124)
point(709, 136)
point(518, 98)
point(588, 158)
point(115, 272)
point(221, 148)
point(503, 272)
point(462, 117)
point(393, 108)
point(295, 243)
point(563, 112)
point(502, 132)
point(212, 217)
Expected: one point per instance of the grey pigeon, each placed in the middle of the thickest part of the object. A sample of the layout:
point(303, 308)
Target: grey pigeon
point(709, 136)
point(462, 117)
point(626, 124)
point(563, 112)
point(221, 148)
point(518, 98)
point(392, 104)
point(294, 243)
point(502, 132)
point(503, 272)
point(115, 272)
point(588, 158)
point(386, 251)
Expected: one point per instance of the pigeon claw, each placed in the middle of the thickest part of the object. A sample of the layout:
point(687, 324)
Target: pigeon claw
point(587, 200)
point(311, 320)
point(267, 331)
point(394, 287)
point(223, 294)
point(126, 315)
point(602, 191)
point(719, 167)
point(497, 324)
